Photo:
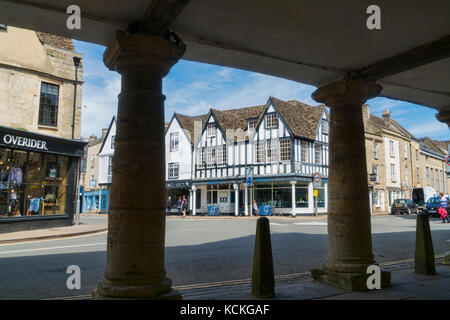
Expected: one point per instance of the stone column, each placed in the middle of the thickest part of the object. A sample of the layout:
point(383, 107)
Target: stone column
point(246, 199)
point(236, 199)
point(310, 197)
point(293, 183)
point(194, 200)
point(349, 229)
point(136, 224)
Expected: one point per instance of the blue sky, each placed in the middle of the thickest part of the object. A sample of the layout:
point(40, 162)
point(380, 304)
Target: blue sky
point(192, 88)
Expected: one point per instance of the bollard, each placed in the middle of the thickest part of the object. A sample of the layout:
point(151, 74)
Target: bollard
point(424, 255)
point(263, 280)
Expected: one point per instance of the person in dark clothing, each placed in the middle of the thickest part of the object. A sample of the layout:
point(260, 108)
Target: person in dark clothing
point(169, 204)
point(179, 205)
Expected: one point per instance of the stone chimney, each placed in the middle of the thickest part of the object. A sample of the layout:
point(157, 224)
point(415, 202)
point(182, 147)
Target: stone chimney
point(92, 139)
point(386, 117)
point(104, 132)
point(365, 112)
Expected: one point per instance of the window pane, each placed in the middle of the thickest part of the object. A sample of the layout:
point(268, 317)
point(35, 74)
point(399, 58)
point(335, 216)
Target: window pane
point(5, 158)
point(62, 170)
point(33, 199)
point(34, 168)
point(301, 197)
point(60, 200)
point(282, 198)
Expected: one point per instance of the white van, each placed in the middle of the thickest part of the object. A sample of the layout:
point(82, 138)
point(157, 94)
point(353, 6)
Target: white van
point(420, 196)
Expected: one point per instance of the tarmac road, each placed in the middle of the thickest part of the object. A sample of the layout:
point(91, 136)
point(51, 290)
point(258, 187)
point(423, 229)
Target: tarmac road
point(200, 250)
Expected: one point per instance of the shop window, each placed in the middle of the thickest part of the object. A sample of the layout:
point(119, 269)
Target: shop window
point(211, 194)
point(320, 199)
point(282, 197)
point(48, 107)
point(301, 197)
point(33, 200)
point(223, 196)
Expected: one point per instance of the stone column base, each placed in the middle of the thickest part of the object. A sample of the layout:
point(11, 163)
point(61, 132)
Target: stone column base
point(171, 295)
point(348, 281)
point(114, 291)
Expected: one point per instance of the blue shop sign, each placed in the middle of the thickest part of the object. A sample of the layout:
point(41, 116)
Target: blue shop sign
point(265, 210)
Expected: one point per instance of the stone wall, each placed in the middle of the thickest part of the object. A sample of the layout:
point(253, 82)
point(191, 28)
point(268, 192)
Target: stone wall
point(26, 62)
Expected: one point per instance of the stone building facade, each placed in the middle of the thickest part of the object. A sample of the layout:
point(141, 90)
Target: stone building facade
point(29, 59)
point(398, 161)
point(40, 147)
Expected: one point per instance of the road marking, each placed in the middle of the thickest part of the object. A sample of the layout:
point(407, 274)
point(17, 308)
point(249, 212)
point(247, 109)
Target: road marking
point(54, 248)
point(25, 241)
point(311, 223)
point(278, 224)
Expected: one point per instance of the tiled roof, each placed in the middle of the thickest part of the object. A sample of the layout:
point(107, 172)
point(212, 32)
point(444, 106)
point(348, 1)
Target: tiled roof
point(439, 147)
point(301, 118)
point(393, 126)
point(187, 122)
point(56, 41)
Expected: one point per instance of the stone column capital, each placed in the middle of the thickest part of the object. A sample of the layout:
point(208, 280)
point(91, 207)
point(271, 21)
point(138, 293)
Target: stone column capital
point(444, 116)
point(194, 188)
point(346, 91)
point(142, 50)
point(293, 182)
point(236, 187)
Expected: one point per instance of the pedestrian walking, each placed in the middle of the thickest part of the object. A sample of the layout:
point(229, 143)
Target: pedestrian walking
point(179, 205)
point(184, 206)
point(443, 209)
point(169, 204)
point(255, 208)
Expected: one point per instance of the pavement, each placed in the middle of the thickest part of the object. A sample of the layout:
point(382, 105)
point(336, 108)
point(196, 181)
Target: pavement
point(51, 233)
point(405, 283)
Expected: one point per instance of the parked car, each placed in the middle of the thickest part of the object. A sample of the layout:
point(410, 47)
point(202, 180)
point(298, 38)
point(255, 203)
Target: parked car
point(432, 206)
point(404, 206)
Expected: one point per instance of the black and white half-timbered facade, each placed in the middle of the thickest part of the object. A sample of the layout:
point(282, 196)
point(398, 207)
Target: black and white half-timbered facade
point(279, 145)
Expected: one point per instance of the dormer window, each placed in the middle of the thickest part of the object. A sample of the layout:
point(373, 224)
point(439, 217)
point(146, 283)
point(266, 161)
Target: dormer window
point(271, 120)
point(251, 125)
point(211, 130)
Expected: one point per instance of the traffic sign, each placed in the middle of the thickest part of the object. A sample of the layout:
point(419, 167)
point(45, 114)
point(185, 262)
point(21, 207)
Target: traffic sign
point(317, 179)
point(448, 160)
point(249, 176)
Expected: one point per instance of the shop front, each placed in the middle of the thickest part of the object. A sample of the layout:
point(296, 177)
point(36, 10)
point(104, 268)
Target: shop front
point(37, 180)
point(276, 193)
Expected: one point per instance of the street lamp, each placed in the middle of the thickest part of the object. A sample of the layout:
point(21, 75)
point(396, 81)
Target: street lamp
point(76, 62)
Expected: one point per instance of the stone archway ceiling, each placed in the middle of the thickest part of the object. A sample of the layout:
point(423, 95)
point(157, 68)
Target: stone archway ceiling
point(309, 41)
